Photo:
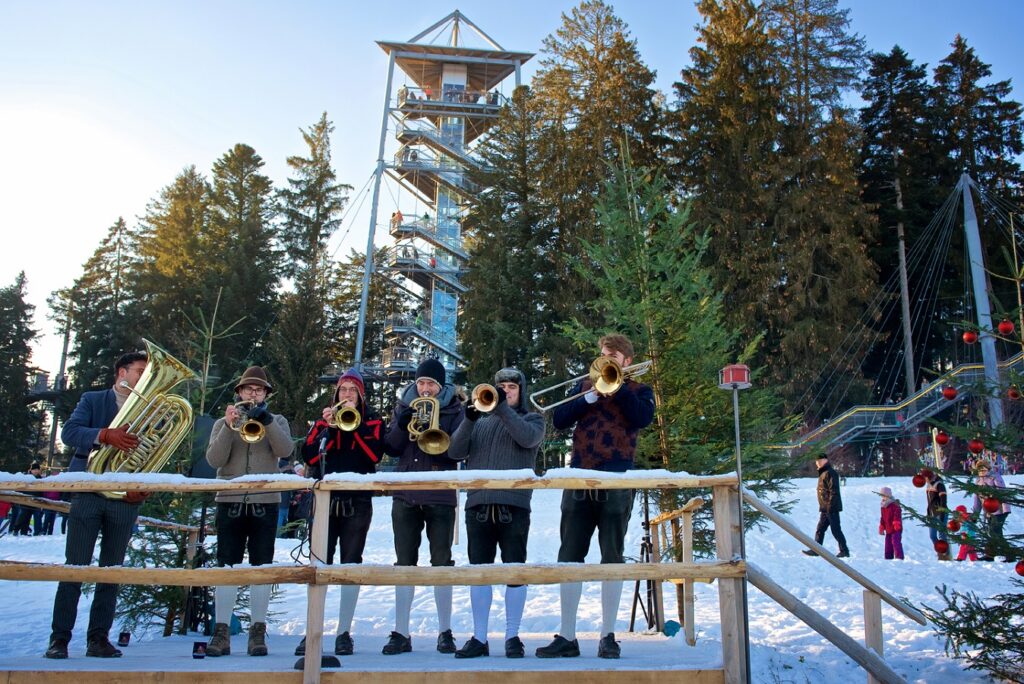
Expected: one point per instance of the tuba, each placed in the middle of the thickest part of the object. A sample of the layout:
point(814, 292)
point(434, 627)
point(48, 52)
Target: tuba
point(160, 420)
point(424, 427)
point(251, 431)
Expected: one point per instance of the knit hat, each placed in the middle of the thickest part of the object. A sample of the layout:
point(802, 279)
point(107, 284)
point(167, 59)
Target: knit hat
point(886, 492)
point(34, 466)
point(356, 378)
point(254, 375)
point(431, 369)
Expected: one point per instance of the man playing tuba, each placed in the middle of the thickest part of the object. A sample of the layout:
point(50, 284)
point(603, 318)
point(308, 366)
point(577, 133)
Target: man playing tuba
point(246, 520)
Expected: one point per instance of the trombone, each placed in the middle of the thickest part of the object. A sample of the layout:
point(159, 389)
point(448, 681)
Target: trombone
point(424, 427)
point(484, 398)
point(606, 377)
point(249, 429)
point(346, 418)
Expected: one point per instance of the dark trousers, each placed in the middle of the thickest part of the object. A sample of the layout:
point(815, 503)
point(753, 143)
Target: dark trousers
point(492, 525)
point(347, 527)
point(246, 527)
point(583, 510)
point(91, 515)
point(408, 523)
point(830, 520)
point(937, 527)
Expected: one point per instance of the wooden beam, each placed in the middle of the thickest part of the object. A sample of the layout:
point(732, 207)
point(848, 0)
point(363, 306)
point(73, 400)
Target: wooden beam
point(64, 507)
point(731, 602)
point(873, 626)
point(691, 505)
point(177, 577)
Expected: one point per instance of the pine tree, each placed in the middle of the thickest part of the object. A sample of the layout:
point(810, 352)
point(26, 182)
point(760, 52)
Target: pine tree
point(16, 335)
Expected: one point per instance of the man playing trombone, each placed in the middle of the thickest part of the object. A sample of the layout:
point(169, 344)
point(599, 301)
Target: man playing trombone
point(249, 439)
point(427, 412)
point(346, 439)
point(499, 433)
point(604, 439)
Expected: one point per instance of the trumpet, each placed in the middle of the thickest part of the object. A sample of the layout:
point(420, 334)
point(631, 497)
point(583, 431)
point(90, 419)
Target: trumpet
point(484, 398)
point(424, 427)
point(346, 418)
point(249, 429)
point(606, 377)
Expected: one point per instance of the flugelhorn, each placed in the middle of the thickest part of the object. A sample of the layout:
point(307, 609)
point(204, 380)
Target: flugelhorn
point(346, 418)
point(484, 398)
point(606, 377)
point(249, 429)
point(424, 428)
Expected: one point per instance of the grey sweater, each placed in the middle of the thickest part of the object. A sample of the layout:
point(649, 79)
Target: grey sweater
point(233, 457)
point(501, 440)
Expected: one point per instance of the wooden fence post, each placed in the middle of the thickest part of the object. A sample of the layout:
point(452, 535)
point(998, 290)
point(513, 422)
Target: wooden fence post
point(873, 626)
point(730, 591)
point(317, 593)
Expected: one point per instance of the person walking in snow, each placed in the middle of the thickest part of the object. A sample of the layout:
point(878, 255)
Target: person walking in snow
point(891, 525)
point(830, 504)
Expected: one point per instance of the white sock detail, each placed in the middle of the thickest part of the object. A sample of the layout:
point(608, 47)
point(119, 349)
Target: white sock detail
point(515, 602)
point(349, 596)
point(403, 606)
point(224, 603)
point(611, 594)
point(259, 599)
point(480, 599)
point(443, 600)
point(570, 593)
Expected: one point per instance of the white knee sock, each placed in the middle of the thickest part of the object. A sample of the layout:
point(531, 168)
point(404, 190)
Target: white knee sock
point(259, 599)
point(224, 603)
point(515, 601)
point(570, 593)
point(349, 596)
point(403, 606)
point(611, 594)
point(443, 600)
point(480, 599)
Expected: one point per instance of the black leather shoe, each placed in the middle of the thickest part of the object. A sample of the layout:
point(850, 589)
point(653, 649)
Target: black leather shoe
point(58, 649)
point(514, 648)
point(343, 644)
point(845, 553)
point(473, 649)
point(397, 644)
point(608, 647)
point(808, 552)
point(300, 650)
point(560, 648)
point(446, 642)
point(101, 647)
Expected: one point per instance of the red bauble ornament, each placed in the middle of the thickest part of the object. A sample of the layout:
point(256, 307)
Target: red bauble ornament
point(961, 509)
point(1013, 393)
point(949, 392)
point(975, 446)
point(1020, 568)
point(919, 480)
point(942, 438)
point(1005, 327)
point(941, 546)
point(953, 525)
point(970, 337)
point(991, 504)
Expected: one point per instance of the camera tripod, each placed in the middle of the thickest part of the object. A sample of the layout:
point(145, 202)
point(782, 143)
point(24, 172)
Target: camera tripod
point(648, 604)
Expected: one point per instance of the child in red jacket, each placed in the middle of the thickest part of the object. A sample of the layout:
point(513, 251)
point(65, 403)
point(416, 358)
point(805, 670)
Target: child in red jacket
point(891, 525)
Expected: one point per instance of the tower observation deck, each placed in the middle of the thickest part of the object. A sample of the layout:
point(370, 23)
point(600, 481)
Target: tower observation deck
point(435, 119)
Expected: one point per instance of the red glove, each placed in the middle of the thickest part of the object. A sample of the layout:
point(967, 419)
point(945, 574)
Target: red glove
point(881, 529)
point(136, 497)
point(897, 526)
point(119, 438)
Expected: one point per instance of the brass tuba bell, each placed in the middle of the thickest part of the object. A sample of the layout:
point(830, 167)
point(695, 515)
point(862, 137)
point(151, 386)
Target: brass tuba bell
point(160, 420)
point(424, 427)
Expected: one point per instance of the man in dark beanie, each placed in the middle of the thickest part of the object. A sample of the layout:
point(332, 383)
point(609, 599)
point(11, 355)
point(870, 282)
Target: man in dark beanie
point(246, 520)
point(330, 449)
point(506, 437)
point(830, 503)
point(412, 511)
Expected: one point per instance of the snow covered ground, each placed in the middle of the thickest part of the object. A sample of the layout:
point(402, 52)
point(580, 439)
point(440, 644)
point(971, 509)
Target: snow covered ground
point(783, 649)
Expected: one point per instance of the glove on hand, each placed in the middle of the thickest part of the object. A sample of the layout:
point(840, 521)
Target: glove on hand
point(261, 414)
point(119, 438)
point(471, 413)
point(501, 396)
point(404, 417)
point(136, 497)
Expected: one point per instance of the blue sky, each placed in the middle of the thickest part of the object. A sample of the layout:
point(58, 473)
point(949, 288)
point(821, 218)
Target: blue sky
point(109, 101)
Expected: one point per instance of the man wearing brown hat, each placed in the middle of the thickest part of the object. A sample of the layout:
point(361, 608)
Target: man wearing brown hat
point(412, 511)
point(246, 520)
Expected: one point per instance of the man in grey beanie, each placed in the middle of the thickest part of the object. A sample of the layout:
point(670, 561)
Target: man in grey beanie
point(505, 438)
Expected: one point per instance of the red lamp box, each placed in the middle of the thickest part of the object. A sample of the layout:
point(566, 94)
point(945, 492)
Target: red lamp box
point(734, 375)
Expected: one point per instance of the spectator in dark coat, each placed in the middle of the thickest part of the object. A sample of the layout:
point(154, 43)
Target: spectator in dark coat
point(937, 512)
point(830, 504)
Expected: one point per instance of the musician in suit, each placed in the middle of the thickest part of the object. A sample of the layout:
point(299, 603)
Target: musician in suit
point(92, 515)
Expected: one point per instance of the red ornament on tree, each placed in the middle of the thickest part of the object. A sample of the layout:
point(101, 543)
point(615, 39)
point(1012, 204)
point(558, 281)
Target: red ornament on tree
point(1013, 393)
point(941, 546)
point(942, 438)
point(970, 337)
point(919, 480)
point(975, 446)
point(953, 525)
point(961, 509)
point(949, 392)
point(1020, 568)
point(991, 504)
point(1005, 327)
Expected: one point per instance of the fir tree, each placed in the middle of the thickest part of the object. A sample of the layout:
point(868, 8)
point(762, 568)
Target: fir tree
point(16, 335)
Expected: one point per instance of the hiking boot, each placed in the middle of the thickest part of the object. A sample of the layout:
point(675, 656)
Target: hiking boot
point(220, 643)
point(473, 649)
point(446, 642)
point(397, 644)
point(343, 644)
point(300, 650)
point(808, 552)
point(608, 647)
point(514, 648)
point(560, 648)
point(257, 639)
point(58, 649)
point(100, 647)
point(843, 553)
